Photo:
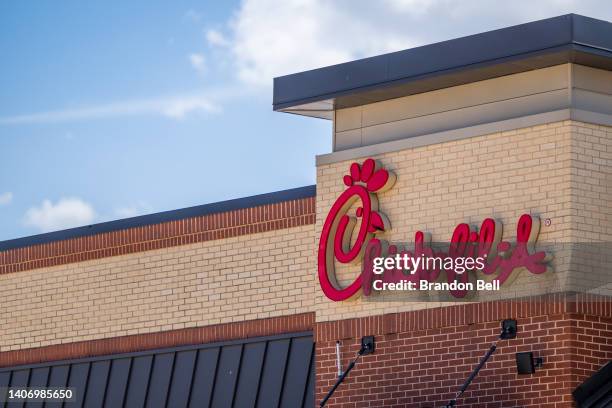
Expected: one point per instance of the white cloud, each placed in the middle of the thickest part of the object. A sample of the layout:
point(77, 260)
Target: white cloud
point(198, 62)
point(216, 38)
point(181, 107)
point(6, 198)
point(172, 107)
point(65, 213)
point(74, 212)
point(268, 38)
point(140, 208)
point(411, 6)
point(271, 38)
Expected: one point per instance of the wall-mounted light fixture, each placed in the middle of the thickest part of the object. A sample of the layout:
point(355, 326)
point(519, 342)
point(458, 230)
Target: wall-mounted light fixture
point(526, 363)
point(367, 345)
point(338, 359)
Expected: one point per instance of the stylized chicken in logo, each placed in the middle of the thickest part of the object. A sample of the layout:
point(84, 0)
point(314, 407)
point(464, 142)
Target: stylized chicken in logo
point(363, 183)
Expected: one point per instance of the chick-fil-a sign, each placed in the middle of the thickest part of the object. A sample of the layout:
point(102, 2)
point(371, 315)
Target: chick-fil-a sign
point(363, 185)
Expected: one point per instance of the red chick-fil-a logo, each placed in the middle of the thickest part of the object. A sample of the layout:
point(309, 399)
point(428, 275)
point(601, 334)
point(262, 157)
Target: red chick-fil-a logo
point(364, 184)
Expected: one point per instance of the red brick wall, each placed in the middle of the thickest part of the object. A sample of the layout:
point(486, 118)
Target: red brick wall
point(152, 341)
point(420, 361)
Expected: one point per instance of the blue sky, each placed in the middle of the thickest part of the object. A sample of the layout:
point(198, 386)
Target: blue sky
point(115, 109)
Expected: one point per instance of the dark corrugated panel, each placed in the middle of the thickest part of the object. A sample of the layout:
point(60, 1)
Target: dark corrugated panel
point(117, 382)
point(19, 378)
point(138, 382)
point(96, 384)
point(182, 376)
point(309, 396)
point(58, 378)
point(248, 383)
point(273, 373)
point(269, 372)
point(79, 374)
point(160, 380)
point(296, 373)
point(204, 378)
point(227, 374)
point(38, 378)
point(5, 380)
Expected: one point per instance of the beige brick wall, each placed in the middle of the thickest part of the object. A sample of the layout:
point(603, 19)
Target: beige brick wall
point(591, 182)
point(242, 278)
point(591, 207)
point(559, 171)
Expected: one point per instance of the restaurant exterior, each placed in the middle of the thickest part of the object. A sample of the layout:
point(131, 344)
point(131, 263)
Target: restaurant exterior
point(496, 147)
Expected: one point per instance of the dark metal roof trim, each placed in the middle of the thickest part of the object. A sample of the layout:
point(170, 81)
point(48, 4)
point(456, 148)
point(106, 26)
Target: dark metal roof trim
point(553, 41)
point(158, 218)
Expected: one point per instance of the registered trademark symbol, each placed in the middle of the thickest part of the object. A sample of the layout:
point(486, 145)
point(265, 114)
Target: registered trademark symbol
point(547, 222)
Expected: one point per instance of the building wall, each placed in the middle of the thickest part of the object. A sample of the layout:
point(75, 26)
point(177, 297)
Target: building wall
point(561, 172)
point(591, 207)
point(583, 90)
point(256, 282)
point(501, 175)
point(422, 358)
point(425, 350)
point(456, 107)
point(241, 278)
point(591, 182)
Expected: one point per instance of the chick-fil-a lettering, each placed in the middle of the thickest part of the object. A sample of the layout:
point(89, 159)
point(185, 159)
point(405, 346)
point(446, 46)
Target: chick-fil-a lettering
point(363, 184)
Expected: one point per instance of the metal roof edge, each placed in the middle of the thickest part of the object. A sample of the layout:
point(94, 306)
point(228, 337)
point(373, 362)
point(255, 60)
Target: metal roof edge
point(161, 217)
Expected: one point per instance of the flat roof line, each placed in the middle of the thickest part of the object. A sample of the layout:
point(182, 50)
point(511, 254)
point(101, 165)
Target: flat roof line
point(161, 217)
point(563, 39)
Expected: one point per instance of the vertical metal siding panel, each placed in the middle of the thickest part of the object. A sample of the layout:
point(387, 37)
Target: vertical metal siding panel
point(58, 377)
point(296, 374)
point(181, 379)
point(204, 378)
point(309, 392)
point(160, 380)
point(79, 374)
point(139, 382)
point(19, 379)
point(273, 371)
point(96, 386)
point(250, 374)
point(263, 373)
point(117, 382)
point(227, 375)
point(38, 379)
point(5, 380)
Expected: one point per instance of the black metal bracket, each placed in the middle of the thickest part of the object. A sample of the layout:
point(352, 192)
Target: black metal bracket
point(538, 362)
point(508, 331)
point(367, 345)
